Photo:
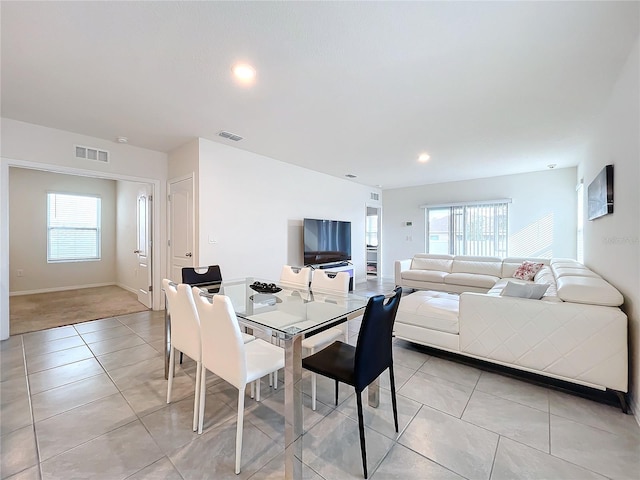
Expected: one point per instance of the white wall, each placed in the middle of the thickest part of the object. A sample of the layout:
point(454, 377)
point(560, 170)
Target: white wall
point(540, 200)
point(34, 146)
point(253, 206)
point(612, 242)
point(28, 232)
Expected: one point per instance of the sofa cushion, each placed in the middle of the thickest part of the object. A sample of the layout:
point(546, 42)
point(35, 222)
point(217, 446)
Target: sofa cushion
point(547, 278)
point(481, 265)
point(592, 290)
point(471, 280)
point(527, 270)
point(424, 275)
point(441, 263)
point(533, 291)
point(573, 272)
point(565, 262)
point(429, 309)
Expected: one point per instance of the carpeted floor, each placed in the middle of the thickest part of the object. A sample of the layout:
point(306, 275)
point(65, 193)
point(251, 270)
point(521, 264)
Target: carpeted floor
point(29, 313)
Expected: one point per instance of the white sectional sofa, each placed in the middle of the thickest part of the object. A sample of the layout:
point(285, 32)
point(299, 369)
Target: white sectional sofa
point(576, 332)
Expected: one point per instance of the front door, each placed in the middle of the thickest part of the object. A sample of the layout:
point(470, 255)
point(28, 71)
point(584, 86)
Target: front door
point(143, 248)
point(181, 243)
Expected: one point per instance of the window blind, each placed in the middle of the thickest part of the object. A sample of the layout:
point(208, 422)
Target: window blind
point(73, 227)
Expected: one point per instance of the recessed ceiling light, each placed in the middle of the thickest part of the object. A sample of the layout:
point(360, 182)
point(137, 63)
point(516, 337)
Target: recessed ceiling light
point(423, 157)
point(350, 175)
point(551, 165)
point(244, 73)
point(122, 139)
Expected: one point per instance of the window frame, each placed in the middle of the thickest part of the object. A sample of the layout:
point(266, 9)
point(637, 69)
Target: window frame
point(97, 228)
point(458, 219)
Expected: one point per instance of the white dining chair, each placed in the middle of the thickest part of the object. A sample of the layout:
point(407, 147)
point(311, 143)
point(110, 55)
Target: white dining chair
point(202, 298)
point(338, 285)
point(225, 354)
point(185, 335)
point(291, 278)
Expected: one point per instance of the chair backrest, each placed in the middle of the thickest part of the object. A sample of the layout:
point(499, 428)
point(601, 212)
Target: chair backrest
point(223, 351)
point(293, 279)
point(185, 323)
point(321, 282)
point(192, 275)
point(374, 353)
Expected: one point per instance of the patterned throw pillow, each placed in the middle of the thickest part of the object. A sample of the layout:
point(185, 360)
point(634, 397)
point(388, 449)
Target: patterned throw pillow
point(527, 270)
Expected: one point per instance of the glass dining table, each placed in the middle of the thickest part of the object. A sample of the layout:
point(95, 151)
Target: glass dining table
point(290, 315)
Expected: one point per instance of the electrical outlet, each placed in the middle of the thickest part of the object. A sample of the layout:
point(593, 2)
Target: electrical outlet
point(20, 272)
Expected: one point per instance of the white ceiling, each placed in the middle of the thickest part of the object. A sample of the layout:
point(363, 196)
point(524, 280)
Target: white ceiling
point(487, 88)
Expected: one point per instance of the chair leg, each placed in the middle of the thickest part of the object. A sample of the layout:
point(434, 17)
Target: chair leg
point(313, 391)
point(239, 429)
point(253, 390)
point(258, 390)
point(275, 380)
point(196, 401)
point(171, 370)
point(363, 447)
point(181, 354)
point(336, 392)
point(393, 396)
point(203, 396)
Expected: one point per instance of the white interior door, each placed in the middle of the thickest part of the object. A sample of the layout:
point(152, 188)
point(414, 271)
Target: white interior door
point(143, 247)
point(181, 221)
point(372, 232)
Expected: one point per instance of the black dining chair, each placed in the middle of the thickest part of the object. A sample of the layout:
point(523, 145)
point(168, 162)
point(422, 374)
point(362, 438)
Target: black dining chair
point(191, 275)
point(360, 365)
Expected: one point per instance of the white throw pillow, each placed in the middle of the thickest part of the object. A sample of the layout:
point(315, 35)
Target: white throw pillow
point(534, 291)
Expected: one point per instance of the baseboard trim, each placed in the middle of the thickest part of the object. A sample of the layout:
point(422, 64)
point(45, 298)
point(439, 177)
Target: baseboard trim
point(128, 289)
point(61, 289)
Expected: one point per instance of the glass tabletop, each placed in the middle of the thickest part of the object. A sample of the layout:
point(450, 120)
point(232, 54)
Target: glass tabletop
point(288, 311)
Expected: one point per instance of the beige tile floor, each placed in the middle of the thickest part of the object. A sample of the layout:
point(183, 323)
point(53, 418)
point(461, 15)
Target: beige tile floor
point(88, 401)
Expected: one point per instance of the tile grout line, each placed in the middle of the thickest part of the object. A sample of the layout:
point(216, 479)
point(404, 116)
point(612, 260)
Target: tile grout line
point(33, 420)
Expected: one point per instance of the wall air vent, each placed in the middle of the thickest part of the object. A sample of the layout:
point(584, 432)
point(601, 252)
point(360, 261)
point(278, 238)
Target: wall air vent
point(230, 136)
point(375, 196)
point(90, 153)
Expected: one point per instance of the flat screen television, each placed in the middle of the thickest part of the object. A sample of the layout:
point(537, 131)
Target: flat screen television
point(600, 194)
point(326, 241)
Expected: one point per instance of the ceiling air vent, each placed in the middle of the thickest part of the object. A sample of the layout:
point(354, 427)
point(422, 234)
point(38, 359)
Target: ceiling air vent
point(90, 153)
point(230, 136)
point(375, 196)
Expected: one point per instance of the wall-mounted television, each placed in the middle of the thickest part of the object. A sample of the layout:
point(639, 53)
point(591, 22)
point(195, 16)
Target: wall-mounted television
point(600, 194)
point(326, 241)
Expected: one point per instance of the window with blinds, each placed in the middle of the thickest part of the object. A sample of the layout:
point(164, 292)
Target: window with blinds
point(468, 229)
point(73, 227)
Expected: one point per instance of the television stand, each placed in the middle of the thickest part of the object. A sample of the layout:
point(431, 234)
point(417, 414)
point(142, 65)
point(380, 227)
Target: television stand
point(333, 265)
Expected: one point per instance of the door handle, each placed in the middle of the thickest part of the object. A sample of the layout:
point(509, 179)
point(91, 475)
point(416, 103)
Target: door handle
point(136, 251)
point(188, 254)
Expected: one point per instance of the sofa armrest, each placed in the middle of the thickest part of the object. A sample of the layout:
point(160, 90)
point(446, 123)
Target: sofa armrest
point(568, 340)
point(400, 266)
